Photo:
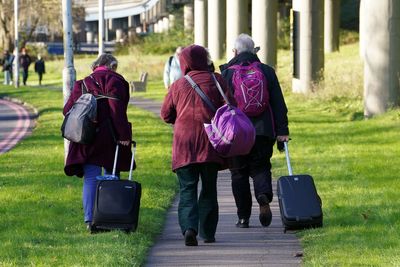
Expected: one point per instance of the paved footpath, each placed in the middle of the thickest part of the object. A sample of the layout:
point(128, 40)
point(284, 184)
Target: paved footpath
point(16, 121)
point(255, 246)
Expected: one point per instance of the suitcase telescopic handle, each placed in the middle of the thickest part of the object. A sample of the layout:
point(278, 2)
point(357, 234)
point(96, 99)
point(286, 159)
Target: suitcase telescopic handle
point(289, 166)
point(132, 160)
point(115, 160)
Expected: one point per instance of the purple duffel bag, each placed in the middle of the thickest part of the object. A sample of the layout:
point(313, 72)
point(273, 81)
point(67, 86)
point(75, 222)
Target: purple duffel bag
point(231, 133)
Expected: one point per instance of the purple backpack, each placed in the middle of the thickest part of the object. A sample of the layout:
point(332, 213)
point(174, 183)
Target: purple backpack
point(250, 88)
point(230, 132)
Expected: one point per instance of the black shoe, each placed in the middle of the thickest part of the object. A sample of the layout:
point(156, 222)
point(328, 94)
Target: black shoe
point(242, 223)
point(190, 238)
point(209, 240)
point(265, 211)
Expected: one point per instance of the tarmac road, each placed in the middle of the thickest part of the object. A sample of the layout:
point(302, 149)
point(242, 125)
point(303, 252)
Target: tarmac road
point(15, 123)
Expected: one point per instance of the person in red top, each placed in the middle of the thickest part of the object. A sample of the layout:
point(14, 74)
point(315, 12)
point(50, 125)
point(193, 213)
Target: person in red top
point(192, 154)
point(113, 127)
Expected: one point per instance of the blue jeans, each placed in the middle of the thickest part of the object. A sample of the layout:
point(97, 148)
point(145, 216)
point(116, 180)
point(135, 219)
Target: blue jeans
point(89, 189)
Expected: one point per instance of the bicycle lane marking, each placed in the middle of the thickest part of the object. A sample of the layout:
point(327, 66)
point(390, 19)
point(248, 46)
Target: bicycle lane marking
point(20, 129)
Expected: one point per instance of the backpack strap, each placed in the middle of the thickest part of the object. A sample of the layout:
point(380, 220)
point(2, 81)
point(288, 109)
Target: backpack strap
point(98, 96)
point(200, 92)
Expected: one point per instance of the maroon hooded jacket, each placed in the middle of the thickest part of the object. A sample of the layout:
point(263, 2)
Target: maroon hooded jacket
point(101, 151)
point(184, 108)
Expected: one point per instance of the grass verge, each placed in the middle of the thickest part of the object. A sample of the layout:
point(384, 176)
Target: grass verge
point(40, 207)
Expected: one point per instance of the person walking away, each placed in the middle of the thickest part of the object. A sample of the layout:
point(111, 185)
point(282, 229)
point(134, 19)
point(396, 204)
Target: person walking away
point(271, 124)
point(113, 127)
point(7, 67)
point(172, 69)
point(193, 156)
point(24, 61)
point(40, 68)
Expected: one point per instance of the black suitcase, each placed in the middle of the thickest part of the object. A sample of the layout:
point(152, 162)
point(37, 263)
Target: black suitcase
point(117, 202)
point(299, 202)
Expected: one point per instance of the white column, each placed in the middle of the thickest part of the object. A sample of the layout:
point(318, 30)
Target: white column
point(200, 22)
point(165, 21)
point(382, 56)
point(118, 34)
point(308, 44)
point(188, 17)
point(264, 29)
point(236, 22)
point(101, 27)
point(331, 25)
point(216, 33)
point(89, 37)
point(171, 19)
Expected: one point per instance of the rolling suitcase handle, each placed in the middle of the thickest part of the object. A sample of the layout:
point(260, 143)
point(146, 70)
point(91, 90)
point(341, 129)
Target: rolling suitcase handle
point(289, 166)
point(132, 160)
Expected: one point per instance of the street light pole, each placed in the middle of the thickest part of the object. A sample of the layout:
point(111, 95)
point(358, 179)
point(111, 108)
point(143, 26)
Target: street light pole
point(16, 50)
point(69, 74)
point(101, 27)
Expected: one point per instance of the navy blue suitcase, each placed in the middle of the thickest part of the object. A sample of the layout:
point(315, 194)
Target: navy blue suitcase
point(299, 202)
point(117, 202)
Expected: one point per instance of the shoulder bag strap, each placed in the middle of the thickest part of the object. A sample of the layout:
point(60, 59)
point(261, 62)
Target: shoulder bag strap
point(100, 96)
point(198, 90)
point(220, 89)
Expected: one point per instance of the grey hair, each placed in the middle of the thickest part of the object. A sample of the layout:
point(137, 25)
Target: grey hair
point(244, 43)
point(106, 60)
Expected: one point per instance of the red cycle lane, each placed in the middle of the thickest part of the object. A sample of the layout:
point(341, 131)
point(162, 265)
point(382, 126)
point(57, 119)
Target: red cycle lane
point(15, 124)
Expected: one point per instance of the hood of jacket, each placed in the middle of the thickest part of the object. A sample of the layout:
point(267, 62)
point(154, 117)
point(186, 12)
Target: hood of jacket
point(193, 57)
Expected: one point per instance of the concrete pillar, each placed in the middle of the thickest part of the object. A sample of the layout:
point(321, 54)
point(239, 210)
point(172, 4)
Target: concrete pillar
point(155, 28)
point(200, 22)
point(160, 26)
point(264, 29)
point(237, 22)
point(216, 33)
point(131, 21)
point(331, 25)
point(89, 37)
point(110, 24)
point(171, 19)
point(308, 44)
point(165, 21)
point(188, 17)
point(382, 56)
point(106, 36)
point(118, 34)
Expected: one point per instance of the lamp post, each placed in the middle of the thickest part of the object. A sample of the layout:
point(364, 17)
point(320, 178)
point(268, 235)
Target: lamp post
point(101, 27)
point(16, 51)
point(69, 74)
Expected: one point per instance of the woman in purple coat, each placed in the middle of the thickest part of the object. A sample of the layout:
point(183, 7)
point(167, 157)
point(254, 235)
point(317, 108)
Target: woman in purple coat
point(113, 127)
point(192, 154)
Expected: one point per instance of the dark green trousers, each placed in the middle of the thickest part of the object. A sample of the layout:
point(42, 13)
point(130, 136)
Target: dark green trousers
point(199, 213)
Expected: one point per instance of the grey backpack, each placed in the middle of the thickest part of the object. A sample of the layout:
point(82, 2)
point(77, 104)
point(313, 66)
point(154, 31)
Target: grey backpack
point(80, 123)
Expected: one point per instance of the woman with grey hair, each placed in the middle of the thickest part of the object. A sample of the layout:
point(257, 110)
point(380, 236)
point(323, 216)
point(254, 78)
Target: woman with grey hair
point(113, 127)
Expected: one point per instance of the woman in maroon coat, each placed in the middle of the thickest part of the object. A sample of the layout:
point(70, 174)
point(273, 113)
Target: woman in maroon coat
point(113, 126)
point(192, 154)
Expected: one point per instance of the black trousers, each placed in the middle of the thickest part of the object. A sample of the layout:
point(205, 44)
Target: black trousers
point(257, 165)
point(24, 76)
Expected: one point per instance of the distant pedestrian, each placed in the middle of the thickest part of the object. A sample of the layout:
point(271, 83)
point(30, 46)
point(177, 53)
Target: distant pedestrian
point(24, 61)
point(7, 67)
point(172, 68)
point(40, 68)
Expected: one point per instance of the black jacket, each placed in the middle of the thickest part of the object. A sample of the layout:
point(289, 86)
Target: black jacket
point(266, 124)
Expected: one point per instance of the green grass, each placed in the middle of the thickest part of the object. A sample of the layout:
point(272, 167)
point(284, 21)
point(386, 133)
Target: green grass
point(355, 164)
point(41, 216)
